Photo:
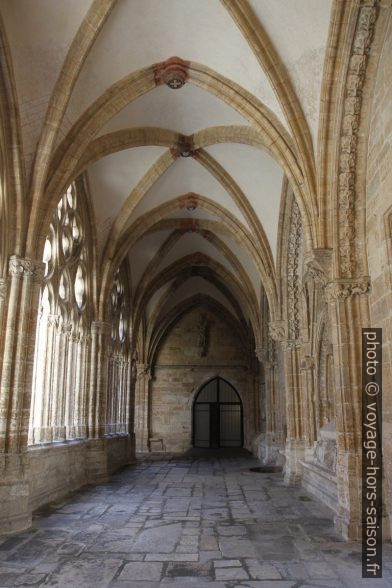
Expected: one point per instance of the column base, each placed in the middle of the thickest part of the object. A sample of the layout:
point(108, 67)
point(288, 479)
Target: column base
point(141, 440)
point(350, 530)
point(294, 454)
point(268, 449)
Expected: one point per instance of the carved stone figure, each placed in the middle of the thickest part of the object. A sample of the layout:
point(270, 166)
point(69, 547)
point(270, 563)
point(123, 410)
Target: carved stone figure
point(202, 328)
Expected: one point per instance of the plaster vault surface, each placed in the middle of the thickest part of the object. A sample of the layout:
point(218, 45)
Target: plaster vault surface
point(202, 519)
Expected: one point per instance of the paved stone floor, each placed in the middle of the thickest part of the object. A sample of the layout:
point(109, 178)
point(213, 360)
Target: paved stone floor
point(197, 520)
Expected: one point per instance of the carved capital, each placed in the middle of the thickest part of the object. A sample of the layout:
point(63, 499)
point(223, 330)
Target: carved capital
point(53, 320)
point(315, 273)
point(75, 336)
point(341, 289)
point(26, 267)
point(262, 354)
point(317, 265)
point(277, 330)
point(85, 338)
point(143, 371)
point(66, 329)
point(290, 344)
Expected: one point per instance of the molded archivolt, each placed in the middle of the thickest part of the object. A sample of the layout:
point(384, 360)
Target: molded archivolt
point(13, 211)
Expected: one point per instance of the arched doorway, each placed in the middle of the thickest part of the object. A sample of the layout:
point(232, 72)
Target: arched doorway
point(217, 416)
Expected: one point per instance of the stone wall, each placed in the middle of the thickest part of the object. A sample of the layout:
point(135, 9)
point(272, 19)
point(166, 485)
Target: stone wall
point(180, 371)
point(379, 232)
point(55, 470)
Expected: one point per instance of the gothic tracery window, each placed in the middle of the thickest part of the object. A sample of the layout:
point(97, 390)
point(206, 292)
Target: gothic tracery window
point(58, 408)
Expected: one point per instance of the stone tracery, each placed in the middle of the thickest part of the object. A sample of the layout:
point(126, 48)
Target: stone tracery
point(59, 408)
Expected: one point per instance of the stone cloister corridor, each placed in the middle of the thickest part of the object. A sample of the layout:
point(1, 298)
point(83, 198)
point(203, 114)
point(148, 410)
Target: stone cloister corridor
point(202, 519)
point(195, 279)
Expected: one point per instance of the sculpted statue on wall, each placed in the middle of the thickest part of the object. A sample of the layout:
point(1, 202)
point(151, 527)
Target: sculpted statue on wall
point(203, 336)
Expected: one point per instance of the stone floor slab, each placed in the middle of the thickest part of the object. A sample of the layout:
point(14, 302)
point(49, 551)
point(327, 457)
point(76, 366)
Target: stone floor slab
point(141, 571)
point(199, 520)
point(87, 573)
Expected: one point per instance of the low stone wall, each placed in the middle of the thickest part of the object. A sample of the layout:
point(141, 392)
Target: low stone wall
point(56, 470)
point(120, 451)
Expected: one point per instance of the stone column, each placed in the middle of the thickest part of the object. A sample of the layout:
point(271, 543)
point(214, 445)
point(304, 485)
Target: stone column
point(70, 391)
point(142, 406)
point(21, 310)
point(131, 391)
point(83, 401)
point(100, 334)
point(78, 415)
point(309, 409)
point(97, 465)
point(268, 447)
point(3, 296)
point(295, 442)
point(251, 406)
point(348, 309)
point(59, 382)
point(46, 431)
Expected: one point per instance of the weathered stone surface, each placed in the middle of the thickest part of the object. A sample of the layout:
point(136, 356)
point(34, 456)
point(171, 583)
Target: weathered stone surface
point(136, 571)
point(86, 573)
point(83, 547)
point(260, 571)
point(231, 574)
point(236, 547)
point(162, 539)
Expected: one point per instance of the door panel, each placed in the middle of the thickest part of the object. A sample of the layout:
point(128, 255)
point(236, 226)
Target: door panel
point(209, 393)
point(227, 393)
point(214, 425)
point(202, 425)
point(217, 418)
point(230, 425)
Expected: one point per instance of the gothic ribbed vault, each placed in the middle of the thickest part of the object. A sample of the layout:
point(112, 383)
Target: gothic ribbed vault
point(192, 185)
